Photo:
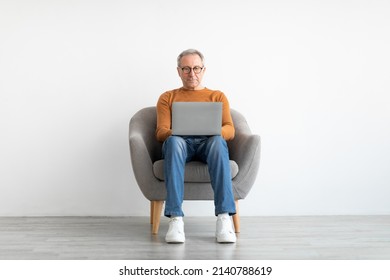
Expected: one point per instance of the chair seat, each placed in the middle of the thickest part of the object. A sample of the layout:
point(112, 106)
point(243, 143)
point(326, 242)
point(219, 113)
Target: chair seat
point(195, 171)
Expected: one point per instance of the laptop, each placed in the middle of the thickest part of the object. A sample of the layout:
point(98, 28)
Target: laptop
point(196, 118)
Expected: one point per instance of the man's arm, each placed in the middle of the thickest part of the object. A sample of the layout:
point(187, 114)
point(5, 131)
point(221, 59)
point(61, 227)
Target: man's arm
point(163, 129)
point(227, 121)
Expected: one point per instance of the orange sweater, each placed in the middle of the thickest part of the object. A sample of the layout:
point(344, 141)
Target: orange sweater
point(164, 107)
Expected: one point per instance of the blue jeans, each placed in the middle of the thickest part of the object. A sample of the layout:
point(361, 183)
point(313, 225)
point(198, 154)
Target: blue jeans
point(211, 150)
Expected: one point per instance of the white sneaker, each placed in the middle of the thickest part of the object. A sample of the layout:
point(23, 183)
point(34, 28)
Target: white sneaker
point(175, 232)
point(225, 232)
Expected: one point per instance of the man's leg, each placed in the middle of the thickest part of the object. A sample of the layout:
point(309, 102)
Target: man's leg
point(215, 153)
point(175, 154)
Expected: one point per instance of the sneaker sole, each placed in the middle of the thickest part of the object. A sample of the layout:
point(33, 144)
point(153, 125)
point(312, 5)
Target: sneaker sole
point(174, 241)
point(227, 240)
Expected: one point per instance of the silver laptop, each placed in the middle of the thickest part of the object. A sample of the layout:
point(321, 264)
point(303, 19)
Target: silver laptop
point(196, 118)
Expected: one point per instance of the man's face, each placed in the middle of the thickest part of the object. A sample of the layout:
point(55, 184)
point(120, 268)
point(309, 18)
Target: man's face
point(191, 80)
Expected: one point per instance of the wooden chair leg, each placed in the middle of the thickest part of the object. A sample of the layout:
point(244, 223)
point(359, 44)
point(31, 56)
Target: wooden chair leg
point(156, 209)
point(236, 219)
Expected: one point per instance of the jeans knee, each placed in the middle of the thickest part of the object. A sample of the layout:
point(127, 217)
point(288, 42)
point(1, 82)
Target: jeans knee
point(217, 148)
point(217, 143)
point(217, 139)
point(174, 144)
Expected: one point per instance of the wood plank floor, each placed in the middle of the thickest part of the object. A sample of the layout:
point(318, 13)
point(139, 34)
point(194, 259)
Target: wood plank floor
point(123, 238)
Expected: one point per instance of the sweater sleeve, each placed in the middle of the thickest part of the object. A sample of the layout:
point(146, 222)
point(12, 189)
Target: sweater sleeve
point(228, 130)
point(163, 129)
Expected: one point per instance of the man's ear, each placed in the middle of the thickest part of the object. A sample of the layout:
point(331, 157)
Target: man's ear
point(178, 71)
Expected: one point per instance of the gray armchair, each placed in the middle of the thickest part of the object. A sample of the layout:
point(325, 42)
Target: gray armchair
point(147, 162)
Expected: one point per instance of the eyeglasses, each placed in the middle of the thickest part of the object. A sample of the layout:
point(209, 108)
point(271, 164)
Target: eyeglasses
point(196, 69)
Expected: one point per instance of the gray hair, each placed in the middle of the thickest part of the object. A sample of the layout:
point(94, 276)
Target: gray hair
point(190, 51)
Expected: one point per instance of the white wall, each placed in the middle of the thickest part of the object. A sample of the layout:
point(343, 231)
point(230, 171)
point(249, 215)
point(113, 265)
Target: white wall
point(72, 73)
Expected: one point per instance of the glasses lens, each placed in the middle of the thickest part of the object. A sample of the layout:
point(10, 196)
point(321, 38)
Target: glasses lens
point(186, 70)
point(197, 69)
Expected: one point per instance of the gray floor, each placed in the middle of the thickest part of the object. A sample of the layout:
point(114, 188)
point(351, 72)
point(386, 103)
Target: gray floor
point(121, 238)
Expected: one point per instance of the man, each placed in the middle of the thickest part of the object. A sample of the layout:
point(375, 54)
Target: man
point(212, 150)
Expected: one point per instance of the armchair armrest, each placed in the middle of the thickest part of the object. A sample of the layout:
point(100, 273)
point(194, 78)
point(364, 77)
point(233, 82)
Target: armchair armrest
point(244, 149)
point(143, 150)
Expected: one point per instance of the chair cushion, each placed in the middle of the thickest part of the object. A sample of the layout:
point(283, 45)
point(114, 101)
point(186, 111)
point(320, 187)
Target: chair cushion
point(195, 171)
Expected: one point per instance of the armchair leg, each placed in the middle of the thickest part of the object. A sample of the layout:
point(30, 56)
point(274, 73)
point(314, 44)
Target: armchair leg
point(236, 219)
point(155, 215)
